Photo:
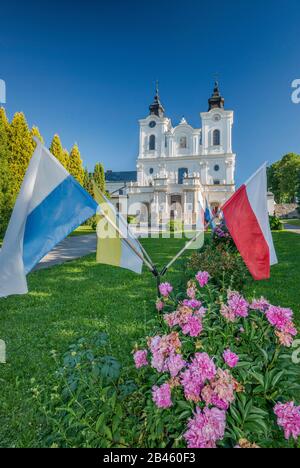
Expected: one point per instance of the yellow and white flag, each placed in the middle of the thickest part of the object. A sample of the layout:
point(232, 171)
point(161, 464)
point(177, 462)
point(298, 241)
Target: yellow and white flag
point(116, 245)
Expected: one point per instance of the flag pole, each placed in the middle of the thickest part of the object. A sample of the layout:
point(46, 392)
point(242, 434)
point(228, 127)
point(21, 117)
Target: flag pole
point(166, 268)
point(147, 263)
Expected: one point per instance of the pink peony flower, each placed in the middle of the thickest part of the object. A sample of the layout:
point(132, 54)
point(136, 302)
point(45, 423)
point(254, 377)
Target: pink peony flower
point(165, 289)
point(202, 277)
point(161, 347)
point(236, 306)
point(159, 305)
point(279, 317)
point(220, 392)
point(230, 358)
point(201, 369)
point(285, 339)
point(140, 358)
point(191, 293)
point(162, 396)
point(206, 428)
point(288, 417)
point(260, 304)
point(175, 364)
point(192, 303)
point(193, 327)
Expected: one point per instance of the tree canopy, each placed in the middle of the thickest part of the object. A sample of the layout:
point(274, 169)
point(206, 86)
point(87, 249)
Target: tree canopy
point(284, 179)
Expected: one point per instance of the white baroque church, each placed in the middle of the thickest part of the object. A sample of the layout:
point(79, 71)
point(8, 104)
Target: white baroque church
point(175, 164)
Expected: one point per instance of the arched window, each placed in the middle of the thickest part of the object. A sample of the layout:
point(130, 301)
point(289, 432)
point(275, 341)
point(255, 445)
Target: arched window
point(152, 143)
point(183, 142)
point(216, 138)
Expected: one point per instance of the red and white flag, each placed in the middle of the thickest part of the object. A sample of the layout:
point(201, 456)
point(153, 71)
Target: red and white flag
point(247, 219)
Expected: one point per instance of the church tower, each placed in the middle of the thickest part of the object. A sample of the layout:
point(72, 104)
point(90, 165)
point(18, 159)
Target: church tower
point(219, 160)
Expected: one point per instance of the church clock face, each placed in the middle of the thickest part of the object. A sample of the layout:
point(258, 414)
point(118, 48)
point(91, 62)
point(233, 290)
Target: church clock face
point(217, 117)
point(152, 124)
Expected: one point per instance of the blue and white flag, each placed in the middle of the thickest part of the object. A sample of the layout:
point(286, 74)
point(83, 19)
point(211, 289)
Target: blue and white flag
point(50, 205)
point(209, 218)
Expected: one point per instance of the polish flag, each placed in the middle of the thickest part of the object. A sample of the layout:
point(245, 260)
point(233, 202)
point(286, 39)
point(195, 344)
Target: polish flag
point(247, 219)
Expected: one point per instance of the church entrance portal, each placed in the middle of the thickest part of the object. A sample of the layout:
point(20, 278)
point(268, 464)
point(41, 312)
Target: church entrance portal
point(176, 208)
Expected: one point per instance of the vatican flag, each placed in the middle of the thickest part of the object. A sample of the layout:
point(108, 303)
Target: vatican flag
point(116, 245)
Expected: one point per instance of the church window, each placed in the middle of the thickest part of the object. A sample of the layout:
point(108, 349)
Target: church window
point(152, 143)
point(183, 142)
point(216, 182)
point(216, 138)
point(151, 170)
point(216, 167)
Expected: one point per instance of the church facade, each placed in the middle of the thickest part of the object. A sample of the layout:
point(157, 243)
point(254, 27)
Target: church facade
point(176, 164)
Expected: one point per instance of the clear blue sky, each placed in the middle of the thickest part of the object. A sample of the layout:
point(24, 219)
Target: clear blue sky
point(86, 69)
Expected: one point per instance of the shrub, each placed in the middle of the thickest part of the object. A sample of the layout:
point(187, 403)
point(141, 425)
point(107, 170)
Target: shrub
point(220, 372)
point(175, 225)
point(131, 219)
point(88, 401)
point(221, 235)
point(275, 223)
point(224, 264)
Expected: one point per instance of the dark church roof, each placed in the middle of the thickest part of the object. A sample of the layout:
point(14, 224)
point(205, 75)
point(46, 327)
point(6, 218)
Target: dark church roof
point(125, 176)
point(216, 101)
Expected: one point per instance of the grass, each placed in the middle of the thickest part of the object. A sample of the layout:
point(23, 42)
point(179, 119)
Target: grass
point(72, 300)
point(283, 287)
point(292, 222)
point(82, 230)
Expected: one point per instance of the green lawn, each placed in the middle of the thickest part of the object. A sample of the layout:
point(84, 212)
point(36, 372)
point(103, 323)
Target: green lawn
point(293, 222)
point(72, 300)
point(82, 230)
point(284, 286)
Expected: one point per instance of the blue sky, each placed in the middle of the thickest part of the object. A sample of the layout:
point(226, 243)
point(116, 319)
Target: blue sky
point(87, 69)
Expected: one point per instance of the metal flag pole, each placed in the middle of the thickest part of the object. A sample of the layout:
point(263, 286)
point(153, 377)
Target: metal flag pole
point(148, 262)
point(186, 246)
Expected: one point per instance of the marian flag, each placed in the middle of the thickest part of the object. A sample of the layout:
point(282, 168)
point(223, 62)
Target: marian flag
point(116, 246)
point(51, 204)
point(247, 219)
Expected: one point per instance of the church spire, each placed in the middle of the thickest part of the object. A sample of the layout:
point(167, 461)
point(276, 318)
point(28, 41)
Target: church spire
point(216, 101)
point(156, 108)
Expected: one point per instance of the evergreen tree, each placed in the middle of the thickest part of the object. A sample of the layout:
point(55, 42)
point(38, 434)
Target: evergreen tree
point(99, 176)
point(57, 150)
point(36, 133)
point(21, 146)
point(87, 182)
point(6, 179)
point(66, 158)
point(75, 164)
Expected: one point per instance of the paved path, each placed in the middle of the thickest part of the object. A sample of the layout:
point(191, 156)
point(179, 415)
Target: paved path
point(292, 228)
point(69, 249)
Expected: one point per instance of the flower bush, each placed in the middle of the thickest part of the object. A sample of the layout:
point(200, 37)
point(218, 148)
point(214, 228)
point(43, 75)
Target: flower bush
point(224, 264)
point(218, 371)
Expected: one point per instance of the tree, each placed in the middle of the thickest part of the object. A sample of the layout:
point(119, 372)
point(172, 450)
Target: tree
point(66, 158)
point(6, 178)
point(289, 177)
point(36, 133)
point(57, 150)
point(99, 177)
point(283, 178)
point(87, 182)
point(75, 164)
point(21, 147)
